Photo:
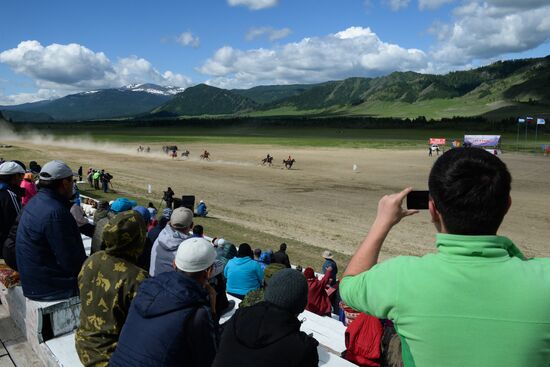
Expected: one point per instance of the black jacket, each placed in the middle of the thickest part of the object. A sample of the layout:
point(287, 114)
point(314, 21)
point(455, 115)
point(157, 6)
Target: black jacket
point(265, 335)
point(280, 257)
point(169, 324)
point(8, 252)
point(10, 207)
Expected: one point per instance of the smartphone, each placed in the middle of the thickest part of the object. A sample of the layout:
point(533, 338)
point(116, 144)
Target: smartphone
point(418, 200)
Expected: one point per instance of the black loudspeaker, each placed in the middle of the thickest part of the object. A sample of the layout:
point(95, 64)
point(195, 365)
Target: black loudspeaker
point(188, 201)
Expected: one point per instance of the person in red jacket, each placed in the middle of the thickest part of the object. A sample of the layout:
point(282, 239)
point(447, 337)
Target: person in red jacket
point(318, 300)
point(30, 188)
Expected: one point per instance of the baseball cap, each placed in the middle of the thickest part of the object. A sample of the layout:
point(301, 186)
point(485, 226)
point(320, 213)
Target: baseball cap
point(10, 168)
point(194, 255)
point(55, 170)
point(122, 204)
point(327, 254)
point(181, 218)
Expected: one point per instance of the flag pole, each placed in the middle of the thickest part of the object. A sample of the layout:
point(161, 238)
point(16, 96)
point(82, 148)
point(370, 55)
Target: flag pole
point(517, 137)
point(526, 123)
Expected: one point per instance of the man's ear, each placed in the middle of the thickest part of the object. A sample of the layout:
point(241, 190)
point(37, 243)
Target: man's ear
point(436, 216)
point(174, 264)
point(508, 205)
point(433, 211)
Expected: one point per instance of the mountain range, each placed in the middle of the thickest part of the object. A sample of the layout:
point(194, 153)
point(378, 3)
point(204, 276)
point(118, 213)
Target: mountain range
point(502, 89)
point(111, 103)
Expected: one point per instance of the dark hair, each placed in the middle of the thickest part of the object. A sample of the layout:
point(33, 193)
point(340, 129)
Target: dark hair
point(282, 247)
point(198, 230)
point(52, 184)
point(244, 250)
point(163, 221)
point(257, 252)
point(470, 188)
point(151, 205)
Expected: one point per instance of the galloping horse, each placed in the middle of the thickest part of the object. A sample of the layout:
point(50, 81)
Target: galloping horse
point(267, 160)
point(205, 155)
point(185, 154)
point(289, 162)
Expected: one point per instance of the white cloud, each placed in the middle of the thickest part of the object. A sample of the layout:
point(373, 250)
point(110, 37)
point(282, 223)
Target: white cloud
point(396, 5)
point(188, 39)
point(61, 69)
point(433, 4)
point(21, 98)
point(355, 51)
point(488, 29)
point(254, 4)
point(271, 33)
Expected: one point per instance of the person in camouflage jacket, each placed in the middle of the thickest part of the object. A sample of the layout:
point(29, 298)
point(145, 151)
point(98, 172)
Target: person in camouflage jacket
point(108, 282)
point(257, 295)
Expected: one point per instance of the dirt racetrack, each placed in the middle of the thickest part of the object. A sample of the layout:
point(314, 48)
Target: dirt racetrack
point(321, 201)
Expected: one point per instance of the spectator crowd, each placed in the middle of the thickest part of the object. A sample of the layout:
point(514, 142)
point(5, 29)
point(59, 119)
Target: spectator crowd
point(154, 287)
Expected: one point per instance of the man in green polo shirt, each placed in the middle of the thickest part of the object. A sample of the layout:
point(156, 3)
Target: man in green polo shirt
point(477, 301)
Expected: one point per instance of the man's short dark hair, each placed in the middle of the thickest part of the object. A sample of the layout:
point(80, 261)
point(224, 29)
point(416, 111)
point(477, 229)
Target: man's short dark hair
point(470, 188)
point(245, 250)
point(52, 184)
point(198, 230)
point(282, 247)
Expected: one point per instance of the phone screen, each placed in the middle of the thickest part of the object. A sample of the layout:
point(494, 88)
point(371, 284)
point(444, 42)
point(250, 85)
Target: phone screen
point(418, 200)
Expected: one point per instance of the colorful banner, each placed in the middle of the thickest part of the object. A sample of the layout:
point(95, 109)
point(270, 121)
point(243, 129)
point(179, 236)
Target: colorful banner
point(438, 141)
point(541, 122)
point(482, 140)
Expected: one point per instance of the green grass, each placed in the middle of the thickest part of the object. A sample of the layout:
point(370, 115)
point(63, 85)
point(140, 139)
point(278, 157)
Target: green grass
point(299, 252)
point(298, 137)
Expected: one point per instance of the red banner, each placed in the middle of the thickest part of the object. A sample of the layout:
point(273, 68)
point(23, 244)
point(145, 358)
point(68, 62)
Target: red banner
point(438, 141)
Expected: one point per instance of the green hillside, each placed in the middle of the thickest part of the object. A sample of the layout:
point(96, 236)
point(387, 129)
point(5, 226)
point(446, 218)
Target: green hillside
point(203, 99)
point(16, 116)
point(264, 94)
point(499, 90)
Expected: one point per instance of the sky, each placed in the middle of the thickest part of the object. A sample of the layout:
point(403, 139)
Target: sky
point(49, 49)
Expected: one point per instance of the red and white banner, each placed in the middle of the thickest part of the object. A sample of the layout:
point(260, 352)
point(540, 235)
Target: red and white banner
point(438, 141)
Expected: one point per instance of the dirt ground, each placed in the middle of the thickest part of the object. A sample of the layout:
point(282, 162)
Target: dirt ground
point(322, 201)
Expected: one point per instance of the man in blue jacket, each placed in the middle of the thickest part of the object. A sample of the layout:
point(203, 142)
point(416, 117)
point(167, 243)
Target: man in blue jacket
point(170, 320)
point(49, 247)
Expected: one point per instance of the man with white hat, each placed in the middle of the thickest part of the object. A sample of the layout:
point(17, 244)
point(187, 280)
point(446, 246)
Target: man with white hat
point(49, 246)
point(11, 175)
point(165, 247)
point(170, 320)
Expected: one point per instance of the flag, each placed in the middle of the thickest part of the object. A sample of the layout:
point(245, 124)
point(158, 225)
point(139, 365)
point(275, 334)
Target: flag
point(529, 119)
point(521, 121)
point(541, 122)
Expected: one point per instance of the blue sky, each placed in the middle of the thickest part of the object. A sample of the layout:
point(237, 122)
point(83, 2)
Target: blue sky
point(53, 48)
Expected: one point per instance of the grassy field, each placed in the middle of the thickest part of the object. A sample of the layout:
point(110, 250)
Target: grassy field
point(301, 137)
point(299, 253)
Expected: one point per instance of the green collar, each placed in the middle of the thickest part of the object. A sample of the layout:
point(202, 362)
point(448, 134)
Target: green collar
point(477, 246)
